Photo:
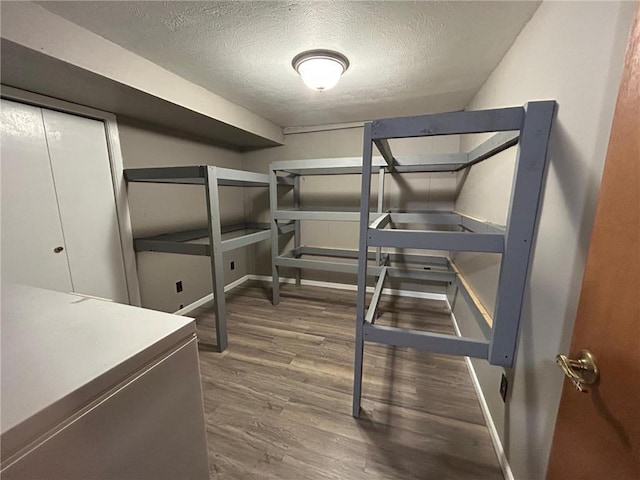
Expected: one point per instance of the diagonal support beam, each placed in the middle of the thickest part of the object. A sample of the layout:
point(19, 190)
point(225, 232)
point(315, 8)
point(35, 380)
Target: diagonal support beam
point(377, 293)
point(385, 151)
point(496, 144)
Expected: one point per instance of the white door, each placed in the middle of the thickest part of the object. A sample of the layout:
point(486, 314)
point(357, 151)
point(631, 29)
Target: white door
point(80, 200)
point(30, 229)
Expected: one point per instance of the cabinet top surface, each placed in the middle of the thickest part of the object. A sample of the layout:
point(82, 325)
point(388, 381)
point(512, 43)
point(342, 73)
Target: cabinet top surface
point(59, 351)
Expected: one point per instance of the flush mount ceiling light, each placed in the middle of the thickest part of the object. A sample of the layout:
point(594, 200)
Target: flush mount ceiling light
point(320, 69)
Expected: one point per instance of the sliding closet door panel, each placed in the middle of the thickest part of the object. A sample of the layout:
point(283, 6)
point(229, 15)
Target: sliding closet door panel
point(82, 175)
point(30, 223)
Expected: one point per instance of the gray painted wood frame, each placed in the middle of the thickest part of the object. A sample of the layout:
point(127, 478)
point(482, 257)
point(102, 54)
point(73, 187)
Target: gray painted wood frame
point(295, 169)
point(211, 178)
point(529, 128)
point(526, 196)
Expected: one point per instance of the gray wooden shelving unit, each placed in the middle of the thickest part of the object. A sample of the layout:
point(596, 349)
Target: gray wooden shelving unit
point(180, 242)
point(287, 174)
point(529, 127)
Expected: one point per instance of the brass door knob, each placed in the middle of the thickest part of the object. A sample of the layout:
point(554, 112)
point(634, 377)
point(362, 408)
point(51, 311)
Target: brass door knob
point(582, 371)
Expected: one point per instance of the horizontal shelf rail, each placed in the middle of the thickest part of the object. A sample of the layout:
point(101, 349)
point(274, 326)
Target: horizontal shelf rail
point(453, 123)
point(380, 220)
point(427, 341)
point(479, 226)
point(426, 217)
point(330, 252)
point(319, 215)
point(197, 233)
point(324, 166)
point(434, 240)
point(322, 265)
point(426, 261)
point(242, 177)
point(185, 235)
point(439, 162)
point(178, 242)
point(418, 274)
point(291, 259)
point(245, 240)
point(188, 174)
point(165, 246)
point(445, 162)
point(438, 272)
point(195, 175)
point(436, 218)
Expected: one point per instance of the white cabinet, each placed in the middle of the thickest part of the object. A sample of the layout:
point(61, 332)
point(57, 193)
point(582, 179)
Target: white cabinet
point(59, 220)
point(96, 390)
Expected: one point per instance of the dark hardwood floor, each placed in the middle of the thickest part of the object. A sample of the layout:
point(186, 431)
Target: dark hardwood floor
point(278, 400)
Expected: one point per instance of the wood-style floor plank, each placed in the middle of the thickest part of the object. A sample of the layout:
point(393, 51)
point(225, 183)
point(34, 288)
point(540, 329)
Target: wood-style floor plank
point(278, 400)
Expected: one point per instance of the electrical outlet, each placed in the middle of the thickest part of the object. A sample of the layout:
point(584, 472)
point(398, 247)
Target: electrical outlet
point(179, 286)
point(233, 265)
point(504, 385)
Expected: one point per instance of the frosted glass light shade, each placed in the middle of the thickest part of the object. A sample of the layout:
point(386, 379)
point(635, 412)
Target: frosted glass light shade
point(320, 70)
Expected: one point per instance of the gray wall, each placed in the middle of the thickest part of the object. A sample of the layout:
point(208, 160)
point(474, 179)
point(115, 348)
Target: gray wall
point(157, 209)
point(431, 191)
point(573, 53)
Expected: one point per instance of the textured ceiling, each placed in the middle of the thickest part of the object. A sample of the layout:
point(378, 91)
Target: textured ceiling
point(406, 57)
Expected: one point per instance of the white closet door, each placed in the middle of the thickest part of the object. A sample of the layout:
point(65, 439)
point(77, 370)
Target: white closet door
point(30, 223)
point(82, 176)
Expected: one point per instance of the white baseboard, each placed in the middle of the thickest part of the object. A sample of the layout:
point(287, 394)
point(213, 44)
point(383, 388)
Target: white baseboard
point(484, 406)
point(209, 298)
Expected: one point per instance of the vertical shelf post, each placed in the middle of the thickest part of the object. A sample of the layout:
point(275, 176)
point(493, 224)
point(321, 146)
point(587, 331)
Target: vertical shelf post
point(526, 197)
point(217, 271)
point(275, 244)
point(380, 208)
point(297, 237)
point(362, 267)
